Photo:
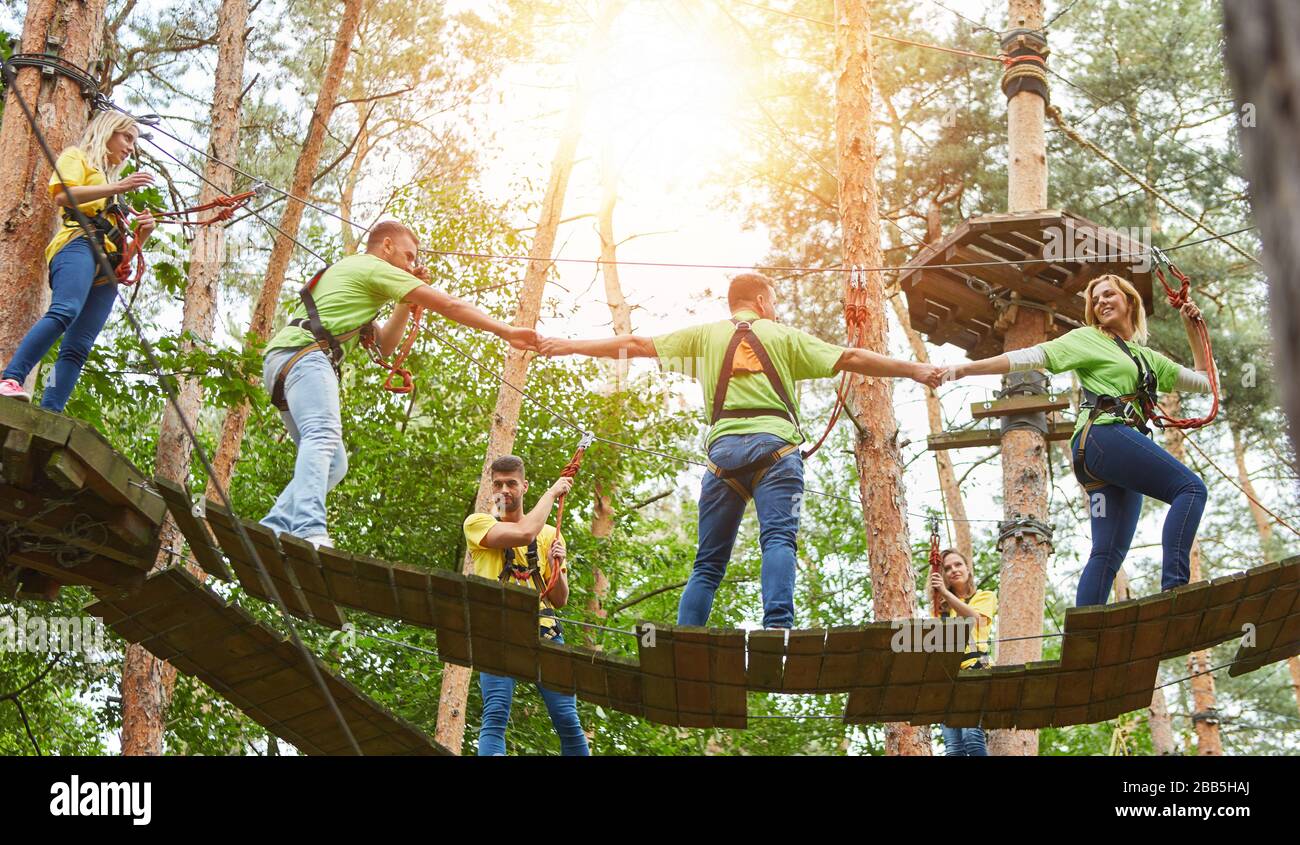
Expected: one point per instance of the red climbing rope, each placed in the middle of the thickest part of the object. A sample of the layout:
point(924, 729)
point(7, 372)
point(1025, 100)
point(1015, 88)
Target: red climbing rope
point(399, 378)
point(570, 471)
point(132, 267)
point(1178, 298)
point(855, 318)
point(936, 565)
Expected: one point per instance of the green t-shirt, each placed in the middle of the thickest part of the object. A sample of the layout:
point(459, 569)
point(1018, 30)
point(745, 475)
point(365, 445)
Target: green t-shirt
point(1103, 368)
point(698, 351)
point(348, 296)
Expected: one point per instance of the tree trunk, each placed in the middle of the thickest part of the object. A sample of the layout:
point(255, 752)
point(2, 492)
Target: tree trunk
point(147, 682)
point(1204, 713)
point(232, 429)
point(880, 468)
point(954, 505)
point(1024, 452)
point(1263, 56)
point(602, 518)
point(27, 212)
point(1158, 721)
point(450, 730)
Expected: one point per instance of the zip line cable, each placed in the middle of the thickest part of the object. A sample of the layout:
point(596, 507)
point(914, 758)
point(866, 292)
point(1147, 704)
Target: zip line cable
point(151, 355)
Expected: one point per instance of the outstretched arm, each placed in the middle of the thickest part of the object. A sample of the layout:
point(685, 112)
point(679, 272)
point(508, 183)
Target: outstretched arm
point(618, 346)
point(468, 315)
point(868, 363)
point(995, 366)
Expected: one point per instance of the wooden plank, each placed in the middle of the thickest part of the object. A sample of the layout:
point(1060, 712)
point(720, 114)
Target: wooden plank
point(691, 657)
point(197, 537)
point(301, 561)
point(19, 456)
point(658, 689)
point(1020, 405)
point(486, 624)
point(268, 551)
point(844, 646)
point(1057, 430)
point(803, 662)
point(375, 586)
point(100, 573)
point(727, 659)
point(66, 471)
point(111, 475)
point(40, 516)
point(451, 613)
point(1005, 683)
point(1040, 683)
point(766, 660)
point(415, 598)
point(555, 667)
point(876, 656)
point(969, 691)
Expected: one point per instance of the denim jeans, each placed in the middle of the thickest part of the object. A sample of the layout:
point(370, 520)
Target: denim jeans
point(964, 742)
point(77, 312)
point(314, 423)
point(1135, 467)
point(777, 499)
point(498, 694)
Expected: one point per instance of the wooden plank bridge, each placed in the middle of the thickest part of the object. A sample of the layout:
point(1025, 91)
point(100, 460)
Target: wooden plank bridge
point(74, 510)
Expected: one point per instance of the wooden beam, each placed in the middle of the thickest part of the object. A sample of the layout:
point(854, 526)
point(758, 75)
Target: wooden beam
point(1020, 405)
point(1061, 430)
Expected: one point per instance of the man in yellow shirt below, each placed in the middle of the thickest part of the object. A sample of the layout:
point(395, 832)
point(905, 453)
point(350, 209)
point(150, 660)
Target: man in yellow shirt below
point(959, 597)
point(514, 544)
point(748, 366)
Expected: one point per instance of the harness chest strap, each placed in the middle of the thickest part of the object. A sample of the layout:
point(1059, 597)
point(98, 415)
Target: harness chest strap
point(1121, 406)
point(533, 572)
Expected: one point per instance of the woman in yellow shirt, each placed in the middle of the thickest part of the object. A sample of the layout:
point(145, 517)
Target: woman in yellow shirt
point(960, 597)
point(80, 302)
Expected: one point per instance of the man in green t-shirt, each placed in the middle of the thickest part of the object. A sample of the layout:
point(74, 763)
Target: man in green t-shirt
point(747, 367)
point(348, 297)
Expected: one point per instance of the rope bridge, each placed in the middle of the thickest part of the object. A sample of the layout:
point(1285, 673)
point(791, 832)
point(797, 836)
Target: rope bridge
point(54, 469)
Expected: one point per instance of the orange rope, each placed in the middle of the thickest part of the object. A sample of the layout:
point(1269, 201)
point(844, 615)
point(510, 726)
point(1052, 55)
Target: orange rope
point(396, 370)
point(1178, 298)
point(935, 565)
point(227, 203)
point(570, 471)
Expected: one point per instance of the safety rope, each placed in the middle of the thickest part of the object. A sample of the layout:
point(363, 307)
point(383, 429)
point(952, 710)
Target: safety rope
point(570, 471)
point(936, 565)
point(227, 205)
point(1177, 298)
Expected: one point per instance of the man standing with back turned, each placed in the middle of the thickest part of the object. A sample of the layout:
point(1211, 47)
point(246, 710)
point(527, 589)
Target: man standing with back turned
point(747, 367)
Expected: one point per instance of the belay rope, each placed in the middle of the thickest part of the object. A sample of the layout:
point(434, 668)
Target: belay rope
point(936, 565)
point(1177, 299)
point(570, 471)
point(855, 318)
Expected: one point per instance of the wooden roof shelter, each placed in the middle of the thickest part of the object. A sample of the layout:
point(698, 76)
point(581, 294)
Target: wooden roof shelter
point(1054, 253)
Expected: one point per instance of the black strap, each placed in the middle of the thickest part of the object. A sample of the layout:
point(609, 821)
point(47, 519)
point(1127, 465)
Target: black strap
point(106, 228)
point(1145, 391)
point(745, 333)
point(329, 343)
point(508, 564)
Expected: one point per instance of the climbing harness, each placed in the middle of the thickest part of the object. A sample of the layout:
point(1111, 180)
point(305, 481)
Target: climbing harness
point(399, 378)
point(109, 228)
point(855, 313)
point(1141, 407)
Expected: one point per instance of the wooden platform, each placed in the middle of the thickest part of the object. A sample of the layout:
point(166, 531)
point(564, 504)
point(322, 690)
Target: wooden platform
point(952, 304)
point(73, 509)
point(96, 522)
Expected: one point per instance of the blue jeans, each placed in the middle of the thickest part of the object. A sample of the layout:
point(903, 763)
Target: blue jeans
point(1135, 467)
point(964, 742)
point(314, 423)
point(777, 499)
point(78, 311)
point(499, 693)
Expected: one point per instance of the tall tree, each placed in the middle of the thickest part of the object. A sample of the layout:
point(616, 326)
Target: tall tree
point(147, 682)
point(304, 173)
point(880, 466)
point(505, 416)
point(1023, 589)
point(72, 30)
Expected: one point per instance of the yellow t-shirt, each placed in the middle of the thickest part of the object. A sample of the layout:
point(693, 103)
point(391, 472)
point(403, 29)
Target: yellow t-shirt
point(985, 603)
point(489, 562)
point(78, 172)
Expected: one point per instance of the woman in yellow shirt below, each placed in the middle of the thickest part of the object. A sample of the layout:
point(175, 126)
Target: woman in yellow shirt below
point(81, 298)
point(959, 596)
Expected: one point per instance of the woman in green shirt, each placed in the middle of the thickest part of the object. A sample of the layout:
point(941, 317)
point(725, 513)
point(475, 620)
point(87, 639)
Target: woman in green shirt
point(1121, 464)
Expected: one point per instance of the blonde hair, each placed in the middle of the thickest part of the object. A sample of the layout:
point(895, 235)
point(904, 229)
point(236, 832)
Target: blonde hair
point(94, 141)
point(1137, 311)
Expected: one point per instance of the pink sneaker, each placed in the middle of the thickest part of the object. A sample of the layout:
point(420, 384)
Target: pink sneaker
point(14, 390)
